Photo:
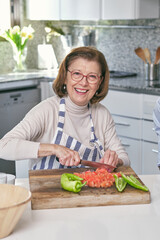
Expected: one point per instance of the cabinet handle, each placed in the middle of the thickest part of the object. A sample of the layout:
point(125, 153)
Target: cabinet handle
point(16, 95)
point(154, 150)
point(125, 145)
point(122, 124)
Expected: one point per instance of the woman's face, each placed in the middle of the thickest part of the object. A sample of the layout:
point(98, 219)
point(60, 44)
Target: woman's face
point(82, 91)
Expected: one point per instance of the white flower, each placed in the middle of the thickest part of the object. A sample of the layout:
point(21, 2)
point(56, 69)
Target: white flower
point(15, 29)
point(17, 37)
point(30, 30)
point(47, 29)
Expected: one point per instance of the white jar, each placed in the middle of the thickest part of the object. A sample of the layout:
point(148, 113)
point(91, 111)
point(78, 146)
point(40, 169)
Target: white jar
point(3, 177)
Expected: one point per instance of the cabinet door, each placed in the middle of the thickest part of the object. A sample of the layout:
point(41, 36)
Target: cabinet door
point(149, 158)
point(148, 131)
point(149, 102)
point(124, 103)
point(43, 9)
point(46, 90)
point(130, 9)
point(80, 9)
point(118, 9)
point(128, 127)
point(133, 148)
point(147, 9)
point(5, 18)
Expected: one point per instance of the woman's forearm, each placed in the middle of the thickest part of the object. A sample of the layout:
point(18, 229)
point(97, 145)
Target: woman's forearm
point(18, 149)
point(46, 149)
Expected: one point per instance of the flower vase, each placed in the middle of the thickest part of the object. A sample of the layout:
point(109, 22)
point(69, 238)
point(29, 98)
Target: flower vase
point(20, 58)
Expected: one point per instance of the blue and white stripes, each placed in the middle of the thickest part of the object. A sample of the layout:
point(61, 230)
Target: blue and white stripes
point(61, 138)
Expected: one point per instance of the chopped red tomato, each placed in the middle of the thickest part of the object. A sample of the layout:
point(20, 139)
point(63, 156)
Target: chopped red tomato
point(99, 178)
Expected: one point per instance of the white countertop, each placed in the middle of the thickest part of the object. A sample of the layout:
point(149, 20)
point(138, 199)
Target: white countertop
point(27, 79)
point(30, 74)
point(126, 222)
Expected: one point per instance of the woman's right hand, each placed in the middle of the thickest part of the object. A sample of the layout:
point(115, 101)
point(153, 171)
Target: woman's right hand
point(65, 155)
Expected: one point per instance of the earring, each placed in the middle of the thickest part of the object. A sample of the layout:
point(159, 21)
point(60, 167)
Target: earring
point(64, 88)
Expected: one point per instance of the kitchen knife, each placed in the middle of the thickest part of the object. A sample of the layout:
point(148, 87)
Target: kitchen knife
point(108, 167)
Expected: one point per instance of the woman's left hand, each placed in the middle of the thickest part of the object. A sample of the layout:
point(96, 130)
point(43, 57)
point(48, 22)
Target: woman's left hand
point(110, 157)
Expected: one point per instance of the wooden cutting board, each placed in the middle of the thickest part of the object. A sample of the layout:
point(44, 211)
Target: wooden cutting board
point(47, 192)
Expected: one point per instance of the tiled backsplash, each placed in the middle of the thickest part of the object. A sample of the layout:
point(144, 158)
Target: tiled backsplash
point(117, 43)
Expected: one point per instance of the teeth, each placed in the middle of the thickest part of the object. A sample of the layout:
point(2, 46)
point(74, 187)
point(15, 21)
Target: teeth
point(83, 91)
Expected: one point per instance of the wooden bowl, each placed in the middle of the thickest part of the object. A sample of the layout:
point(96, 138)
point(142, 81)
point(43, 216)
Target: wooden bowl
point(13, 201)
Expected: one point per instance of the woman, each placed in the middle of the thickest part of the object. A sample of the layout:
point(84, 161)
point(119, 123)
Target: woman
point(72, 125)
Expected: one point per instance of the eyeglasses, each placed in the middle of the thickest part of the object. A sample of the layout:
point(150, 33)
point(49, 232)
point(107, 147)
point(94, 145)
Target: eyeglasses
point(77, 76)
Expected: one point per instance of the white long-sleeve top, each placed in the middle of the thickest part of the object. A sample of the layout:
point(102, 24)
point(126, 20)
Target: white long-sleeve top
point(40, 123)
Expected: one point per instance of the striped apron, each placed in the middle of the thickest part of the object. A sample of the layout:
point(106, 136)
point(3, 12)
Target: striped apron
point(94, 153)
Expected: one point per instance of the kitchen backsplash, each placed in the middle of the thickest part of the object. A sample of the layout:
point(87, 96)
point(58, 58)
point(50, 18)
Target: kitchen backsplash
point(116, 42)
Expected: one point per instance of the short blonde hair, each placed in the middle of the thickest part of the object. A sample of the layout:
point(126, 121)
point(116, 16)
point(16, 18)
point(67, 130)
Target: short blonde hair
point(89, 53)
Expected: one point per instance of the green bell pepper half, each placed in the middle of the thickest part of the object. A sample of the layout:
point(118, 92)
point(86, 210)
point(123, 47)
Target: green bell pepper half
point(120, 183)
point(71, 182)
point(131, 180)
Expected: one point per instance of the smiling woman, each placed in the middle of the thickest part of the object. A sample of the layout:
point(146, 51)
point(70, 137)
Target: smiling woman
point(85, 56)
point(81, 88)
point(73, 125)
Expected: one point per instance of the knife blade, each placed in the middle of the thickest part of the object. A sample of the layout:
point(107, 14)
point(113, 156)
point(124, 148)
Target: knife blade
point(108, 167)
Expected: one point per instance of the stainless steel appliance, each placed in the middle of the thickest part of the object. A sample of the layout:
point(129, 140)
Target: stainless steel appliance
point(15, 102)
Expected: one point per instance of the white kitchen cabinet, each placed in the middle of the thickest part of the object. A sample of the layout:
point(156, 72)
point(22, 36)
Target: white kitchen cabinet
point(149, 102)
point(63, 9)
point(133, 148)
point(46, 90)
point(118, 9)
point(126, 109)
point(80, 9)
point(150, 155)
point(91, 9)
point(124, 103)
point(43, 9)
point(129, 9)
point(129, 131)
point(126, 126)
point(132, 114)
point(148, 131)
point(5, 16)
